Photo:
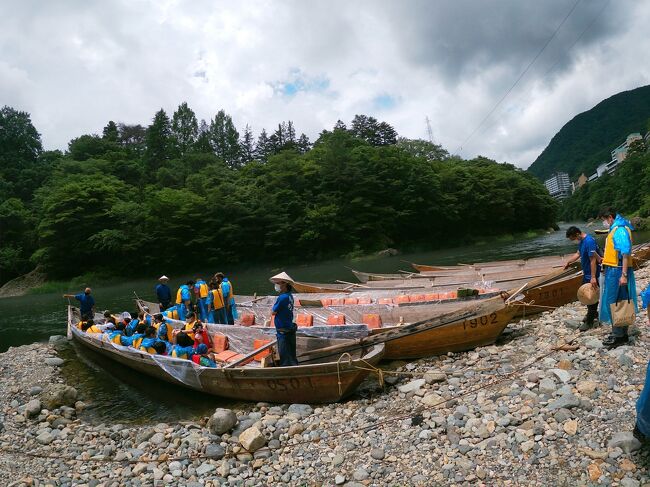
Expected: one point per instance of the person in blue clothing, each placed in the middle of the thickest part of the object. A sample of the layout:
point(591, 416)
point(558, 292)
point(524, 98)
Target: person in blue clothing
point(184, 299)
point(619, 282)
point(282, 315)
point(228, 295)
point(86, 302)
point(201, 292)
point(590, 256)
point(163, 293)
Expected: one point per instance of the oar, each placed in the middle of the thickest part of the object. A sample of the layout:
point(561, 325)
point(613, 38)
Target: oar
point(353, 284)
point(250, 355)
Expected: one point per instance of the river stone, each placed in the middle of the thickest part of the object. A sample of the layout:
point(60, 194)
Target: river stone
point(35, 391)
point(157, 438)
point(377, 453)
point(625, 441)
point(252, 439)
point(567, 401)
point(204, 469)
point(414, 385)
point(432, 377)
point(339, 479)
point(215, 452)
point(222, 421)
point(547, 386)
point(360, 475)
point(57, 395)
point(33, 408)
point(562, 374)
point(45, 438)
point(56, 338)
point(295, 429)
point(54, 361)
point(303, 410)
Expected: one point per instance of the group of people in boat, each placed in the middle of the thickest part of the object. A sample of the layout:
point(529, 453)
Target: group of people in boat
point(157, 333)
point(214, 301)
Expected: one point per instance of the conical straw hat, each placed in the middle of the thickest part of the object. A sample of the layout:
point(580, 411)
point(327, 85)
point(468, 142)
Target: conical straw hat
point(282, 277)
point(587, 294)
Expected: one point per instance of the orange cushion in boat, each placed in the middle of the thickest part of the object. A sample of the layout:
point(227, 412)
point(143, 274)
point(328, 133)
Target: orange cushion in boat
point(337, 302)
point(385, 301)
point(372, 321)
point(225, 356)
point(336, 320)
point(296, 302)
point(351, 301)
point(258, 343)
point(304, 320)
point(247, 319)
point(326, 302)
point(431, 297)
point(414, 298)
point(401, 299)
point(219, 342)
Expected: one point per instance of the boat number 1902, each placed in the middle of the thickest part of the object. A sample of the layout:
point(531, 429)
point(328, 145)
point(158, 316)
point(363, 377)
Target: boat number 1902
point(482, 321)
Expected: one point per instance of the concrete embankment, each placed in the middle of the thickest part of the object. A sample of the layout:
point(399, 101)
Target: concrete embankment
point(566, 419)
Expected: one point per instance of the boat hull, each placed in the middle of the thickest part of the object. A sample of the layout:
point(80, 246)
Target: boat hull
point(312, 383)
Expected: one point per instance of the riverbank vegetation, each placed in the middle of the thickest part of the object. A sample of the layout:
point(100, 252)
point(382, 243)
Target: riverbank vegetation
point(183, 193)
point(627, 190)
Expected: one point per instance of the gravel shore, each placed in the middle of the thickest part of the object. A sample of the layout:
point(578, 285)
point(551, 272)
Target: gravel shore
point(565, 420)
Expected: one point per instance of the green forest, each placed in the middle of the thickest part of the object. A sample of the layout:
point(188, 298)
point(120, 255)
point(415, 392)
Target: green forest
point(184, 194)
point(627, 190)
point(586, 141)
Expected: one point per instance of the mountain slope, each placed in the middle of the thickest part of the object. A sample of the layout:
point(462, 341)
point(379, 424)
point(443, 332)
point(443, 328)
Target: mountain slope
point(586, 141)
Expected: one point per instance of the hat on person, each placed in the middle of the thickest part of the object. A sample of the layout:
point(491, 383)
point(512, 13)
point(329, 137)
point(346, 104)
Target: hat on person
point(202, 349)
point(587, 294)
point(282, 277)
point(163, 278)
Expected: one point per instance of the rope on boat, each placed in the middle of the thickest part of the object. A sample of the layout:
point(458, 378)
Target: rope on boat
point(416, 413)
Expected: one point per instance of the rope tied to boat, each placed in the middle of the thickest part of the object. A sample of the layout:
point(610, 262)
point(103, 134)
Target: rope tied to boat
point(338, 369)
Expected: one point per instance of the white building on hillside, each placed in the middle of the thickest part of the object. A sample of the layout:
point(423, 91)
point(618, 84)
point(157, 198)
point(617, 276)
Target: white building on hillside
point(559, 185)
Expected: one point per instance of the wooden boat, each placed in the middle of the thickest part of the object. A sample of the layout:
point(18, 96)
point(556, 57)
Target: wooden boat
point(468, 275)
point(499, 263)
point(316, 381)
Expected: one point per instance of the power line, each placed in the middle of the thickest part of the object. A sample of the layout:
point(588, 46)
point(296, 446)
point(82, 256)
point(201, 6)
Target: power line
point(584, 31)
point(460, 148)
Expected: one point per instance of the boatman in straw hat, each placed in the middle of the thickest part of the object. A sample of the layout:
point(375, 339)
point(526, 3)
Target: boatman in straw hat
point(282, 316)
point(590, 256)
point(163, 293)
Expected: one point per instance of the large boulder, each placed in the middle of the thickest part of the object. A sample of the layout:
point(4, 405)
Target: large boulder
point(222, 421)
point(57, 395)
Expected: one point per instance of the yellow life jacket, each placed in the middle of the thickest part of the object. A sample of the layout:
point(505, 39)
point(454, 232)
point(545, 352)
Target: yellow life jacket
point(611, 254)
point(168, 328)
point(93, 329)
point(203, 290)
point(79, 325)
point(217, 298)
point(150, 350)
point(179, 299)
point(117, 339)
point(136, 343)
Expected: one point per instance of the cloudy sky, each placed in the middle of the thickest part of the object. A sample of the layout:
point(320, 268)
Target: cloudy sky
point(76, 64)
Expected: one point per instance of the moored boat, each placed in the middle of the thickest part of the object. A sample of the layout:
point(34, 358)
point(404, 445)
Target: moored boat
point(318, 381)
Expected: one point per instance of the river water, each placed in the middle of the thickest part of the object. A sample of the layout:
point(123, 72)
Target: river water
point(117, 393)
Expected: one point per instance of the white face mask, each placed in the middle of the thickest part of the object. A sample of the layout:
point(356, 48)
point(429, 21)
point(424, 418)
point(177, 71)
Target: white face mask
point(605, 224)
point(277, 287)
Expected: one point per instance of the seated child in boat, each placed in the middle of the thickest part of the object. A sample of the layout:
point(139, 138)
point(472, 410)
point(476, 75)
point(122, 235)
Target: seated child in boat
point(135, 339)
point(163, 328)
point(202, 357)
point(148, 341)
point(200, 335)
point(115, 335)
point(183, 345)
point(191, 321)
point(160, 348)
point(171, 313)
point(89, 327)
point(109, 319)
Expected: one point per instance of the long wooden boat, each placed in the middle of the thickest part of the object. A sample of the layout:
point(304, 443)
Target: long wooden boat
point(318, 381)
point(553, 259)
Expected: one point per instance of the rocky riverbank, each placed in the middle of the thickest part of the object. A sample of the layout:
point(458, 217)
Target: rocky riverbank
point(565, 420)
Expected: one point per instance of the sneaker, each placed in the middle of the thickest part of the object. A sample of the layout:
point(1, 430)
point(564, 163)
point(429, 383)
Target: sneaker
point(586, 326)
point(638, 435)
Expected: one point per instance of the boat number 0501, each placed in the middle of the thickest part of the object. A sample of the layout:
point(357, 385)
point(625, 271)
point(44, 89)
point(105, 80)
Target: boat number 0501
point(483, 321)
point(287, 384)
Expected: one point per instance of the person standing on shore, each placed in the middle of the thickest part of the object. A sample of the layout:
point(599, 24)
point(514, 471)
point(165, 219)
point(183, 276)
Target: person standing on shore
point(282, 316)
point(589, 255)
point(163, 293)
point(618, 282)
point(86, 303)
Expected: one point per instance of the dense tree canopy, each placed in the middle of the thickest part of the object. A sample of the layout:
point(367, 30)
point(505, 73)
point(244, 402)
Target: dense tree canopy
point(183, 193)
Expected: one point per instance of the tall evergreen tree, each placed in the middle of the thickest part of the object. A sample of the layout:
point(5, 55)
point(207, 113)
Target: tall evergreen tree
point(246, 146)
point(303, 145)
point(224, 138)
point(159, 142)
point(133, 137)
point(386, 134)
point(111, 132)
point(340, 125)
point(185, 129)
point(263, 148)
point(290, 133)
point(203, 144)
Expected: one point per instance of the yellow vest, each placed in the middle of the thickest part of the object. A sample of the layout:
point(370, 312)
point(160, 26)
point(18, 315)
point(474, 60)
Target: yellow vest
point(611, 254)
point(179, 300)
point(136, 343)
point(169, 329)
point(217, 298)
point(93, 329)
point(203, 290)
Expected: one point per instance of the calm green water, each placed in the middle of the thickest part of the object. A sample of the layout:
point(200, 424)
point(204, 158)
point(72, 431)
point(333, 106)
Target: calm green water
point(117, 393)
